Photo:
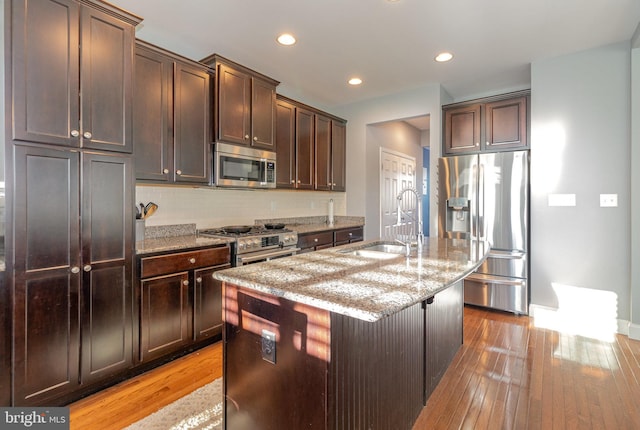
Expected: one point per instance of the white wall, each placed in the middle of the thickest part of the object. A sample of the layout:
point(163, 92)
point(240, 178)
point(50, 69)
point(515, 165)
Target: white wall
point(362, 194)
point(208, 207)
point(580, 140)
point(634, 328)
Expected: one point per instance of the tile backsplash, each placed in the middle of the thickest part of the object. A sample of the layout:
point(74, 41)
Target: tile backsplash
point(215, 207)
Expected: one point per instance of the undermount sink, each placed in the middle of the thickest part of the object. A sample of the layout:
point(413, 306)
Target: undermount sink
point(382, 251)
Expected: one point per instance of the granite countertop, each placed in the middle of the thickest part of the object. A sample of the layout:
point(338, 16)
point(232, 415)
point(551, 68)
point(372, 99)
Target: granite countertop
point(315, 224)
point(358, 286)
point(176, 243)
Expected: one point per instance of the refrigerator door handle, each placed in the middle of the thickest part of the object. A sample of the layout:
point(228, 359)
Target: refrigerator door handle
point(473, 190)
point(481, 221)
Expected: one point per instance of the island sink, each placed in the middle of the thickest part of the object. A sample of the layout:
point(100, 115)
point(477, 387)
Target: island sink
point(379, 251)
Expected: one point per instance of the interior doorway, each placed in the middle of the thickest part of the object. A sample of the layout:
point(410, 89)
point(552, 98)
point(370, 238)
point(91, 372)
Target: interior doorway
point(398, 172)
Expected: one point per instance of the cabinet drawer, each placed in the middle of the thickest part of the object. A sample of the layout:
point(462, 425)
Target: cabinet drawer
point(315, 239)
point(349, 235)
point(176, 262)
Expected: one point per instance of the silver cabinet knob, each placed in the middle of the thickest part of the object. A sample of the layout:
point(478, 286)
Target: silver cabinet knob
point(199, 280)
point(246, 136)
point(178, 172)
point(185, 283)
point(477, 143)
point(75, 269)
point(192, 260)
point(293, 181)
point(165, 171)
point(255, 138)
point(350, 234)
point(75, 133)
point(87, 135)
point(315, 240)
point(87, 268)
point(299, 181)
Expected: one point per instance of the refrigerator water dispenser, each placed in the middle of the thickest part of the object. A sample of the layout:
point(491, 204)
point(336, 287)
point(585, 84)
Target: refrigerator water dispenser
point(458, 217)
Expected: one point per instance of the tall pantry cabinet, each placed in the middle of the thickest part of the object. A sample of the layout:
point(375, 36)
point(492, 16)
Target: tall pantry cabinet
point(69, 180)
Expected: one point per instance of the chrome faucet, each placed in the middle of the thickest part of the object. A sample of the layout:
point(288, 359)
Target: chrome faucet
point(419, 236)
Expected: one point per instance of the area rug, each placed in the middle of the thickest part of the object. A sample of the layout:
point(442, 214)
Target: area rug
point(201, 409)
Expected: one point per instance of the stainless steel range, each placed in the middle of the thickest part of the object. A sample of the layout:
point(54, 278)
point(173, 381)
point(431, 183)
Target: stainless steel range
point(257, 243)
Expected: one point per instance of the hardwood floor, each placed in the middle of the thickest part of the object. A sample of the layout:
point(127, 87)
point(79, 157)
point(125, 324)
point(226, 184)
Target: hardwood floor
point(511, 375)
point(125, 403)
point(507, 375)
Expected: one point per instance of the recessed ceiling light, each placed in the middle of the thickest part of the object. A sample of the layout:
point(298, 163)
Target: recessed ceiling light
point(286, 39)
point(355, 81)
point(443, 57)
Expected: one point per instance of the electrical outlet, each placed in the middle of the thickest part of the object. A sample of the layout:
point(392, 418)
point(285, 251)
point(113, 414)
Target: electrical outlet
point(608, 200)
point(269, 346)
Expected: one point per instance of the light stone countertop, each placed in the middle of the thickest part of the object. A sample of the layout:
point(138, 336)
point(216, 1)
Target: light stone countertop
point(357, 286)
point(176, 243)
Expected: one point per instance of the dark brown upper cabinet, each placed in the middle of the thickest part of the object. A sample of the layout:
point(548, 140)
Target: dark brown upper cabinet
point(172, 119)
point(245, 104)
point(71, 69)
point(285, 144)
point(311, 147)
point(491, 124)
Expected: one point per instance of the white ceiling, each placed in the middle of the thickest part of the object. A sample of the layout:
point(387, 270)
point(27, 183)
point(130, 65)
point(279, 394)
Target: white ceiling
point(390, 45)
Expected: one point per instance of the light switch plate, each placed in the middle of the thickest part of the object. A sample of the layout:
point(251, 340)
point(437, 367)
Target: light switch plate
point(608, 200)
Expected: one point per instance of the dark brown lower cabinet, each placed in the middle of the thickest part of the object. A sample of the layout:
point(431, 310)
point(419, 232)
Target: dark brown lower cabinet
point(308, 242)
point(180, 302)
point(72, 275)
point(329, 370)
point(443, 333)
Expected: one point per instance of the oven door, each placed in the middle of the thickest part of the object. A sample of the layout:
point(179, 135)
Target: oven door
point(270, 254)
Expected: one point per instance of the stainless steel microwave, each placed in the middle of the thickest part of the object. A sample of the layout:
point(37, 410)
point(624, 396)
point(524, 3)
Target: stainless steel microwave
point(243, 167)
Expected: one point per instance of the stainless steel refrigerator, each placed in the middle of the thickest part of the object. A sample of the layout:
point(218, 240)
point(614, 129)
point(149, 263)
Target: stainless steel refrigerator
point(486, 196)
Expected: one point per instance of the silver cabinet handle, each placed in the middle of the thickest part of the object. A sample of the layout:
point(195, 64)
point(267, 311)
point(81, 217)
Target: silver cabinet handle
point(75, 269)
point(185, 283)
point(299, 181)
point(165, 171)
point(315, 240)
point(178, 172)
point(293, 181)
point(192, 260)
point(87, 268)
point(87, 135)
point(255, 138)
point(199, 280)
point(246, 136)
point(350, 234)
point(75, 133)
point(477, 143)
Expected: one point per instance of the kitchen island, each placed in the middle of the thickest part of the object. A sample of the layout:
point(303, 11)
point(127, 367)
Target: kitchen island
point(342, 338)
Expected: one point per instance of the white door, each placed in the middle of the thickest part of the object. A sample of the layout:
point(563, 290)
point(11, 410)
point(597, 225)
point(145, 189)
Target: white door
point(398, 173)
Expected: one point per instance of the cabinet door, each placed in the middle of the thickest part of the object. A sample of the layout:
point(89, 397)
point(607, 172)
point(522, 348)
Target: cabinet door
point(263, 114)
point(234, 105)
point(107, 259)
point(285, 144)
point(46, 327)
point(207, 303)
point(152, 115)
point(506, 124)
point(165, 315)
point(45, 71)
point(338, 156)
point(462, 129)
point(105, 81)
point(304, 149)
point(443, 333)
point(192, 159)
point(322, 153)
